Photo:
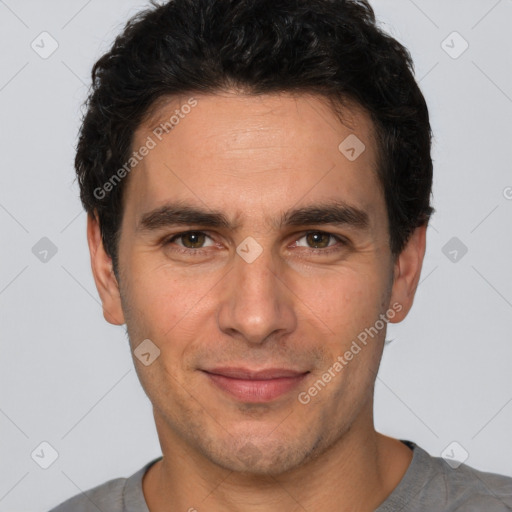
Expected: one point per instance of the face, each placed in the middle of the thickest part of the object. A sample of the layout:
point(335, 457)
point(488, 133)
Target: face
point(254, 253)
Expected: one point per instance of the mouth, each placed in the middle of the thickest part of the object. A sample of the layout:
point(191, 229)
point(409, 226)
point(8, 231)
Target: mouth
point(255, 386)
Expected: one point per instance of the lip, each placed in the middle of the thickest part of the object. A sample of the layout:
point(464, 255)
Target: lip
point(255, 386)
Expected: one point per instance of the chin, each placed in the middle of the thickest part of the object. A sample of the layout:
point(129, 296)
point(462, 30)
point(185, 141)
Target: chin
point(261, 458)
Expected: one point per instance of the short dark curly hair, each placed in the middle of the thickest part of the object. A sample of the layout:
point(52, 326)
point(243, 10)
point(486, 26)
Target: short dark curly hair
point(331, 48)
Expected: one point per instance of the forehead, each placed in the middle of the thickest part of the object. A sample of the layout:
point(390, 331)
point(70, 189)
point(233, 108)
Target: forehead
point(248, 153)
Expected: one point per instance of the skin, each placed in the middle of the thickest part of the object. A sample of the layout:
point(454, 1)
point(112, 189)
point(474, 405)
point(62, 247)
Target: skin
point(253, 158)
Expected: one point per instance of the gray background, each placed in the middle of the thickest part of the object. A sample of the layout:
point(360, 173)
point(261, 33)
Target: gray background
point(66, 376)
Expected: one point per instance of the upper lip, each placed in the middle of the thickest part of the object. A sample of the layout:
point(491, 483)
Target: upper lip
point(247, 374)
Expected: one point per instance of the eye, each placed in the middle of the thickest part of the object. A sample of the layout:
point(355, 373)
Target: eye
point(191, 240)
point(318, 240)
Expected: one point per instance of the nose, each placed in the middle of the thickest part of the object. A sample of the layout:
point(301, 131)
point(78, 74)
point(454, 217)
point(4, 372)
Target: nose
point(256, 304)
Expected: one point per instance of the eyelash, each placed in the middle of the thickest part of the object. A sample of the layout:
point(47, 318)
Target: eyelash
point(342, 242)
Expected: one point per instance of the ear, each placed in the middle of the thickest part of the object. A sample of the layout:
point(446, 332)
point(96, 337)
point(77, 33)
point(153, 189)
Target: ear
point(407, 271)
point(102, 269)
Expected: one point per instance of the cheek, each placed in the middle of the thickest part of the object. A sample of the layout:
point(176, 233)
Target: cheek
point(163, 300)
point(342, 302)
point(169, 310)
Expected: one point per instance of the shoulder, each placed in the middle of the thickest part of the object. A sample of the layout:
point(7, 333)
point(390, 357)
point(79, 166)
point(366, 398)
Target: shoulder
point(465, 489)
point(473, 490)
point(107, 497)
point(117, 495)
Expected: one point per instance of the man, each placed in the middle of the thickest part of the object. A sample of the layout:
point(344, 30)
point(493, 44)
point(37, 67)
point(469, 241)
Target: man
point(257, 177)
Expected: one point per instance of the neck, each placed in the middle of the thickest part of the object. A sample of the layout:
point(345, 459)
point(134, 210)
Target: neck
point(358, 472)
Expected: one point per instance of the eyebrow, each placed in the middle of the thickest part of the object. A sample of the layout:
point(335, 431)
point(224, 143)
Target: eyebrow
point(332, 213)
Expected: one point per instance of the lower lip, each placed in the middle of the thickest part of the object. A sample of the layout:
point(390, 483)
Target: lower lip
point(256, 391)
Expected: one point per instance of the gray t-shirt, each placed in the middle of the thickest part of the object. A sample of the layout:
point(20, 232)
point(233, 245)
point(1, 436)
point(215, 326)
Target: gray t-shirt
point(429, 485)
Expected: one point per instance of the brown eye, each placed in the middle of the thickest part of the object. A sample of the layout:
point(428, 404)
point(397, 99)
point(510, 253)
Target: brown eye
point(321, 243)
point(318, 239)
point(193, 240)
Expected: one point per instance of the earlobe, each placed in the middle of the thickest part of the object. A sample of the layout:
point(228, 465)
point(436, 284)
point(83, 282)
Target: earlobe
point(104, 277)
point(407, 271)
